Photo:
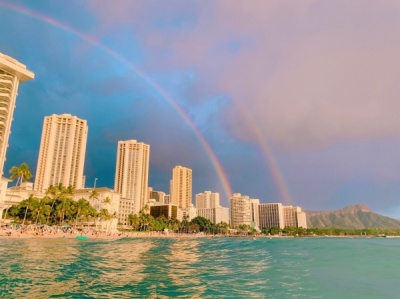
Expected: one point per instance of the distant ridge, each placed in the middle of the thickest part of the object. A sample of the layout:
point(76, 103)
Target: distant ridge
point(354, 216)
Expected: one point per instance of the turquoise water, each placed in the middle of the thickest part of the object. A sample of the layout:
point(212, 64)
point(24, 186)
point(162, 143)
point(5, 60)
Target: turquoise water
point(200, 268)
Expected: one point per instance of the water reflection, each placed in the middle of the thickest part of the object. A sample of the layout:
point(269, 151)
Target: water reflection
point(183, 269)
point(33, 266)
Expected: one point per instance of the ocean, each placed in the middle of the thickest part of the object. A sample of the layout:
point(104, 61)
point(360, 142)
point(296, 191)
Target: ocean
point(200, 268)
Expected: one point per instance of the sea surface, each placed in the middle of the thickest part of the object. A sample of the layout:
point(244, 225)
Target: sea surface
point(200, 268)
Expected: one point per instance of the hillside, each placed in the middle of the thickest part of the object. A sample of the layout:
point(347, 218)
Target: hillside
point(356, 216)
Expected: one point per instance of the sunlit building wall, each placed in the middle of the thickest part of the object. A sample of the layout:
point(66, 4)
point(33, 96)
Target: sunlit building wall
point(181, 187)
point(240, 210)
point(301, 219)
point(207, 200)
point(271, 215)
point(62, 152)
point(158, 196)
point(132, 173)
point(12, 72)
point(255, 217)
point(215, 215)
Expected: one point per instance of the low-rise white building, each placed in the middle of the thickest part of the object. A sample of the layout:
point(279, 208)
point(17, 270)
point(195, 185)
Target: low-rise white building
point(215, 215)
point(106, 199)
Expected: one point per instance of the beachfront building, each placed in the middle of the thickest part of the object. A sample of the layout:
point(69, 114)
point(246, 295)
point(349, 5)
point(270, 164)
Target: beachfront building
point(181, 187)
point(215, 215)
point(208, 206)
point(294, 217)
point(271, 215)
point(12, 72)
point(255, 217)
point(169, 211)
point(188, 213)
point(16, 194)
point(131, 176)
point(301, 219)
point(158, 196)
point(207, 200)
point(62, 152)
point(105, 199)
point(240, 210)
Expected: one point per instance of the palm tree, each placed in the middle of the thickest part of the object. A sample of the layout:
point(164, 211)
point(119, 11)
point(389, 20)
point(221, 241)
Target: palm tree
point(93, 197)
point(82, 208)
point(28, 203)
point(54, 192)
point(41, 207)
point(22, 173)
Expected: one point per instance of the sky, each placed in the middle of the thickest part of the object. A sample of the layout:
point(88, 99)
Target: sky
point(285, 101)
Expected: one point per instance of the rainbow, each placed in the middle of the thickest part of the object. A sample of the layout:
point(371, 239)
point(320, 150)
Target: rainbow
point(223, 178)
point(270, 160)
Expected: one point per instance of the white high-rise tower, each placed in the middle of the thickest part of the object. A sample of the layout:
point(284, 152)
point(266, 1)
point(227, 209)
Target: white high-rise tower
point(181, 187)
point(132, 173)
point(62, 152)
point(12, 73)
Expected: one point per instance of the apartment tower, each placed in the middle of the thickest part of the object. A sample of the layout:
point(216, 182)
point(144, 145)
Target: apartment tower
point(207, 200)
point(132, 173)
point(181, 187)
point(62, 152)
point(240, 210)
point(12, 73)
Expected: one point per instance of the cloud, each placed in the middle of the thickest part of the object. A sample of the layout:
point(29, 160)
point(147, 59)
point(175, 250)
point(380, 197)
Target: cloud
point(307, 74)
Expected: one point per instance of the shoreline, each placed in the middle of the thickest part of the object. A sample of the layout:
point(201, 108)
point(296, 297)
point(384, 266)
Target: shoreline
point(92, 235)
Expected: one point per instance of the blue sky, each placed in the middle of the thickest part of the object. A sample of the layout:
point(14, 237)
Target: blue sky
point(298, 100)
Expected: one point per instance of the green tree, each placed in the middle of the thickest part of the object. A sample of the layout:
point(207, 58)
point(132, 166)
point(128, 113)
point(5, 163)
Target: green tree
point(22, 173)
point(28, 204)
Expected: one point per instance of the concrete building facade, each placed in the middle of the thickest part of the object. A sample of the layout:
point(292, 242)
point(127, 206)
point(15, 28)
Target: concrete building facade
point(215, 215)
point(255, 216)
point(240, 210)
point(12, 72)
point(207, 200)
point(271, 215)
point(106, 199)
point(181, 187)
point(62, 152)
point(132, 174)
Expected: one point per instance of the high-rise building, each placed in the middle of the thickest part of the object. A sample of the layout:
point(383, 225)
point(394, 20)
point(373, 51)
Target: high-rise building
point(62, 152)
point(158, 196)
point(215, 215)
point(255, 217)
point(294, 217)
point(207, 200)
point(240, 210)
point(12, 73)
point(271, 215)
point(132, 173)
point(181, 187)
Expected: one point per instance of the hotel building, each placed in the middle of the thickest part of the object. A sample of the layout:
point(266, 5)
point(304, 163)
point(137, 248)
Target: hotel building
point(271, 215)
point(294, 217)
point(106, 199)
point(62, 152)
point(181, 187)
point(132, 175)
point(240, 210)
point(215, 215)
point(208, 206)
point(12, 72)
point(255, 217)
point(207, 200)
